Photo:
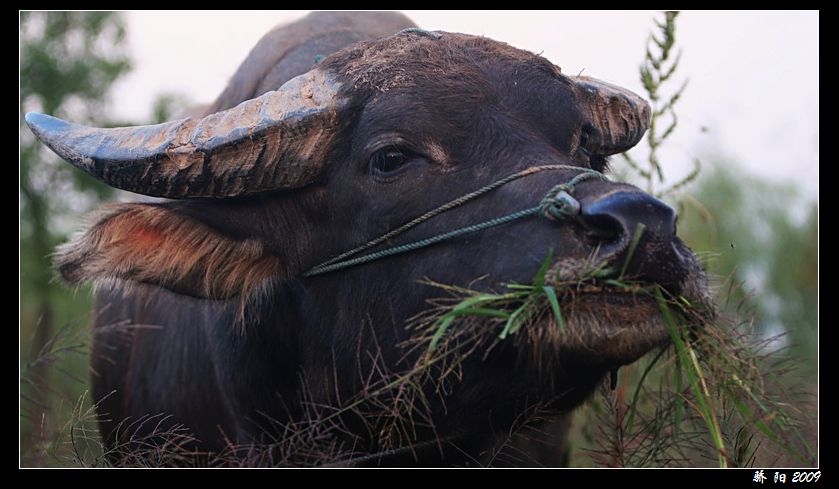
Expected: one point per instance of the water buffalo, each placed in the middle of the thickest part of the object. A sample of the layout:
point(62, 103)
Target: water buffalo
point(214, 318)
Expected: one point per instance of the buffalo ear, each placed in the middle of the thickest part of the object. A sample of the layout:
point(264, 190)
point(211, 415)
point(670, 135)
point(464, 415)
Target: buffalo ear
point(150, 243)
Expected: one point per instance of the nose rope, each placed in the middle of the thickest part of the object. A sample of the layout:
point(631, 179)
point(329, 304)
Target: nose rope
point(557, 204)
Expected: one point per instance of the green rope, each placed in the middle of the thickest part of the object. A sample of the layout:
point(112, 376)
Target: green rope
point(557, 204)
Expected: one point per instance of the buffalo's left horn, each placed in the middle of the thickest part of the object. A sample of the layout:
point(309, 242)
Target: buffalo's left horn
point(275, 141)
point(619, 117)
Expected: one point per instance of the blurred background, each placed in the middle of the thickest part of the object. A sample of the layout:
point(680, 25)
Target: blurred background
point(749, 115)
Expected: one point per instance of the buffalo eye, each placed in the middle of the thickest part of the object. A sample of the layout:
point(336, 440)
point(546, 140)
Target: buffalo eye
point(386, 162)
point(585, 135)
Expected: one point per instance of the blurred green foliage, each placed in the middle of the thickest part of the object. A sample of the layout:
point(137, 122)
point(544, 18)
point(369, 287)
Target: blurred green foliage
point(765, 236)
point(68, 62)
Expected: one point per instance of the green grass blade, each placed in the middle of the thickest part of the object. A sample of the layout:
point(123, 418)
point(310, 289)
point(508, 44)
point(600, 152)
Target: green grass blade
point(480, 311)
point(539, 279)
point(680, 401)
point(550, 293)
point(778, 420)
point(602, 271)
point(747, 414)
point(445, 322)
point(634, 402)
point(519, 287)
point(693, 370)
point(639, 231)
point(514, 321)
point(465, 307)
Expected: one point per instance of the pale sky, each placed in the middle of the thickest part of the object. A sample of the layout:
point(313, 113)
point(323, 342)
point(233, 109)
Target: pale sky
point(754, 76)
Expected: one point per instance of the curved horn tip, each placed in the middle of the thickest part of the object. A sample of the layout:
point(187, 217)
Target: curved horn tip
point(44, 126)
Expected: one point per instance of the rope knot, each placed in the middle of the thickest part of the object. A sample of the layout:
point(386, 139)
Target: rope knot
point(558, 203)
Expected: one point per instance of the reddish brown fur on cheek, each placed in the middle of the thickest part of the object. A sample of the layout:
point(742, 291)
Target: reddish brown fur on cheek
point(152, 244)
point(147, 238)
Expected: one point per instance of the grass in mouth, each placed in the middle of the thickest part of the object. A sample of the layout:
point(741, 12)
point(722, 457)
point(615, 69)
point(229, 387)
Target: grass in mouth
point(711, 377)
point(520, 303)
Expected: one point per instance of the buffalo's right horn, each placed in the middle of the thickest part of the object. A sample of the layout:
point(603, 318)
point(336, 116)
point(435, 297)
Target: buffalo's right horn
point(618, 116)
point(275, 141)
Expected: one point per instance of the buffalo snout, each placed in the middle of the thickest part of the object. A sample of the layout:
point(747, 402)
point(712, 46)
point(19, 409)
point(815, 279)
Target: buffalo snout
point(617, 216)
point(635, 233)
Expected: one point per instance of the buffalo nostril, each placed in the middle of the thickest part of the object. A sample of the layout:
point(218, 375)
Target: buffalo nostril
point(602, 227)
point(617, 215)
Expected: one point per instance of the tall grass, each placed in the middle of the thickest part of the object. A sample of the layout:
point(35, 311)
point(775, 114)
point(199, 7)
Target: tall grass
point(657, 72)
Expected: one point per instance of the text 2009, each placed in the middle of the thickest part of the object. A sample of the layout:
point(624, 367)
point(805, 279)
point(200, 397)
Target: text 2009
point(806, 476)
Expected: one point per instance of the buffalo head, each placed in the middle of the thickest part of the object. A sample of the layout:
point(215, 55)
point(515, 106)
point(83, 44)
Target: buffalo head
point(372, 136)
